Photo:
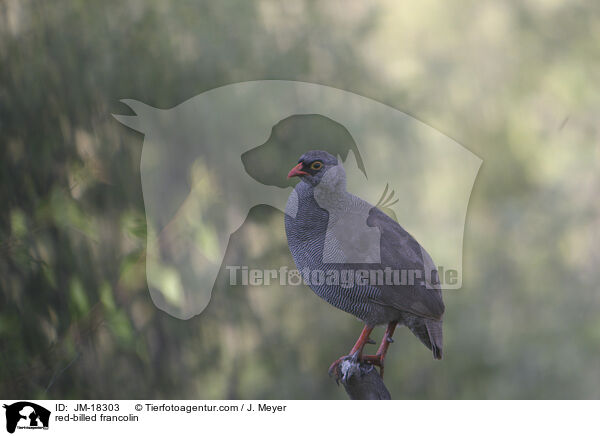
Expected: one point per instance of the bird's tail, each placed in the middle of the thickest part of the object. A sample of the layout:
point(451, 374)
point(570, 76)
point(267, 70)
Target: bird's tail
point(429, 331)
point(434, 328)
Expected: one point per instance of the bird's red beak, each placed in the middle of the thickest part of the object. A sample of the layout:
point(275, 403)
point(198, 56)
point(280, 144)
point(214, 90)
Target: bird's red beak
point(296, 171)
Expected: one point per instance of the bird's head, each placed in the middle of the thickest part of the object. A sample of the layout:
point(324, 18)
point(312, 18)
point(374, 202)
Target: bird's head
point(317, 166)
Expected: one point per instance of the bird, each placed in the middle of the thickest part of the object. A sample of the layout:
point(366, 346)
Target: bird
point(329, 229)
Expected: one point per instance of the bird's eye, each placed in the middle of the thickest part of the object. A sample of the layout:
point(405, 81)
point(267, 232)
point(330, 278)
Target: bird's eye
point(316, 165)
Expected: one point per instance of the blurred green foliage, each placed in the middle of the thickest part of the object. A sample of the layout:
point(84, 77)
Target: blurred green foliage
point(515, 82)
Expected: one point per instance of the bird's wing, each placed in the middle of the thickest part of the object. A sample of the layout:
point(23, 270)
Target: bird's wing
point(400, 251)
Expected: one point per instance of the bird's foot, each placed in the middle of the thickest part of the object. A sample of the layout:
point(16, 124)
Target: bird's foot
point(376, 360)
point(355, 354)
point(335, 370)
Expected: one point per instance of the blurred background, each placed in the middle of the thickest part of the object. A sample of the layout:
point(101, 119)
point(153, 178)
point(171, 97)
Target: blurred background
point(514, 82)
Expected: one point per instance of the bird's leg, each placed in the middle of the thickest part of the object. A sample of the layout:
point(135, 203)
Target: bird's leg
point(379, 358)
point(363, 340)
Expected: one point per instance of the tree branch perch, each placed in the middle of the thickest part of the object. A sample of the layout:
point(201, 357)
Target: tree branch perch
point(361, 380)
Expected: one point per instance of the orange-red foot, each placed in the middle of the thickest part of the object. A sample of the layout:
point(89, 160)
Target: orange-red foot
point(379, 358)
point(355, 352)
point(334, 369)
point(376, 360)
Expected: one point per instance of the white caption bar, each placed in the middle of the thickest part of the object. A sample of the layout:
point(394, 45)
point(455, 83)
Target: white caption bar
point(298, 417)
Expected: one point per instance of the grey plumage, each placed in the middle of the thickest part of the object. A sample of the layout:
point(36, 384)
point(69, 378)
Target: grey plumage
point(318, 243)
